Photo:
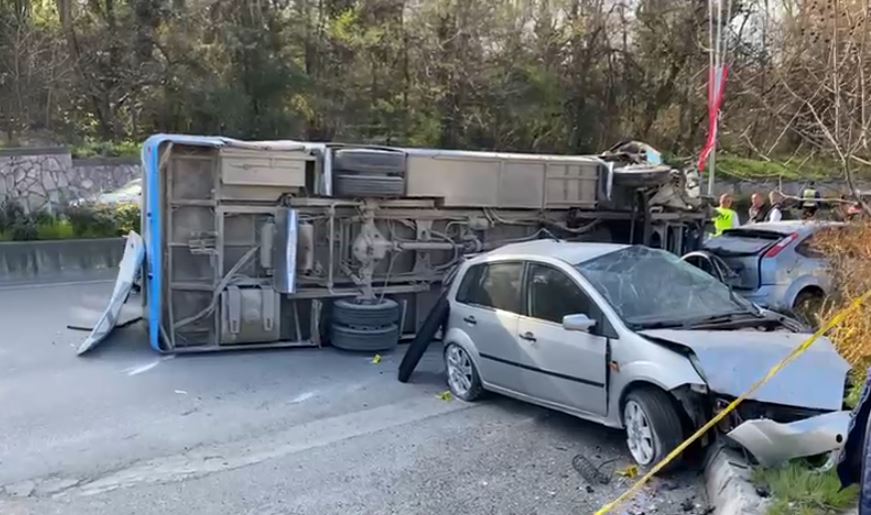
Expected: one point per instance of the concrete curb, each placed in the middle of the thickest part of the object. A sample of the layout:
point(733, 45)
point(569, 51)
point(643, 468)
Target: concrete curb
point(727, 482)
point(30, 262)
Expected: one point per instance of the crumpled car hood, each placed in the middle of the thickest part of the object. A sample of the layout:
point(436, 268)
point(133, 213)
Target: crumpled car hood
point(732, 361)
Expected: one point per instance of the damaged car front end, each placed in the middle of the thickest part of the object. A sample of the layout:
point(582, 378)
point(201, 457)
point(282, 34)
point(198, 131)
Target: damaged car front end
point(798, 413)
point(732, 344)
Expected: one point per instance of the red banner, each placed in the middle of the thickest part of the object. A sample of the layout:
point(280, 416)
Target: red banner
point(716, 94)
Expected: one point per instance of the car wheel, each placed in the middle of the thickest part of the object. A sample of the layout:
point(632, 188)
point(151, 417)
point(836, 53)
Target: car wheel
point(807, 307)
point(364, 339)
point(463, 378)
point(653, 427)
point(360, 313)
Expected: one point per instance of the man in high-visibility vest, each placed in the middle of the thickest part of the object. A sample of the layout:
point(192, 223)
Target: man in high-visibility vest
point(810, 198)
point(726, 217)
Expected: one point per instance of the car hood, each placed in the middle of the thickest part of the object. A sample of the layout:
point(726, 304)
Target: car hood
point(732, 361)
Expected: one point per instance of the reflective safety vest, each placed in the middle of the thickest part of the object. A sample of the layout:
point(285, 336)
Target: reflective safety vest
point(725, 219)
point(809, 196)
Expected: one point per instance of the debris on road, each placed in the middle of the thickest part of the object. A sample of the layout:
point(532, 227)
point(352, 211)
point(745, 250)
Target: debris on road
point(446, 396)
point(591, 473)
point(376, 359)
point(629, 472)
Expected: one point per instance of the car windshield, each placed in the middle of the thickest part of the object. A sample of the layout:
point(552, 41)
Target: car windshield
point(654, 287)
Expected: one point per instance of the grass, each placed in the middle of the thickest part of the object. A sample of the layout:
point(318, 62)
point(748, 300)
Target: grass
point(798, 489)
point(743, 168)
point(55, 230)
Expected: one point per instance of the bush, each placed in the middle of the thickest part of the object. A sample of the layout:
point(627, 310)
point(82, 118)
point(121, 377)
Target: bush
point(75, 222)
point(106, 149)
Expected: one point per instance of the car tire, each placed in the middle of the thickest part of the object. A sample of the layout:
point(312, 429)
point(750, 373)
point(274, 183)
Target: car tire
point(358, 313)
point(807, 307)
point(462, 374)
point(364, 339)
point(653, 426)
point(352, 185)
point(369, 161)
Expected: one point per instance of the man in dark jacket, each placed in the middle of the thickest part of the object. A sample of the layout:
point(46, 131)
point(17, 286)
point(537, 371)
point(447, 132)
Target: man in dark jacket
point(758, 211)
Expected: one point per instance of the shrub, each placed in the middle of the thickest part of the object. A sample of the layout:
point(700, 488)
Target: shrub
point(849, 254)
point(86, 221)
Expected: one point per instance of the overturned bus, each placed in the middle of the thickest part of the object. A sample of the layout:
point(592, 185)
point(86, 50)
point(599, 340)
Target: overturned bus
point(286, 243)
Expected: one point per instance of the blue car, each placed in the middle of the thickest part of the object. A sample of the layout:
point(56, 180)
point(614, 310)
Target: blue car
point(773, 264)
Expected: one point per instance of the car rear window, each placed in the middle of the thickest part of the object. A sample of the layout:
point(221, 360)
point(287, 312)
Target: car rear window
point(742, 241)
point(495, 285)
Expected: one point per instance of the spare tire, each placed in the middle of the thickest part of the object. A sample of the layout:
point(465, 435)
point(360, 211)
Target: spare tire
point(364, 339)
point(356, 313)
point(351, 185)
point(369, 161)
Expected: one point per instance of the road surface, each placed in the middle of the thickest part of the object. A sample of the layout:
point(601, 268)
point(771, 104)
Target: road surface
point(302, 431)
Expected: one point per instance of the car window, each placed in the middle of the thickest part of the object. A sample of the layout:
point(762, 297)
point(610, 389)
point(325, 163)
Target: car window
point(495, 285)
point(551, 294)
point(808, 248)
point(702, 264)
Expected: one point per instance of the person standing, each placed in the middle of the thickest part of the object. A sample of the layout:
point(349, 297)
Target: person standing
point(726, 217)
point(775, 212)
point(810, 201)
point(757, 212)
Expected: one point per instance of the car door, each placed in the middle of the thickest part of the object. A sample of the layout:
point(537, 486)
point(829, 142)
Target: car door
point(556, 365)
point(487, 308)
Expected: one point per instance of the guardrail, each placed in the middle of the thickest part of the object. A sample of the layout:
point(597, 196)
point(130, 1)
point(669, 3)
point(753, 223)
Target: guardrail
point(33, 262)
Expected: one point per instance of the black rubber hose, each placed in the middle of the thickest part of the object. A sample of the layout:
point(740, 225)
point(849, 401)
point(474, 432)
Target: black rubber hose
point(437, 317)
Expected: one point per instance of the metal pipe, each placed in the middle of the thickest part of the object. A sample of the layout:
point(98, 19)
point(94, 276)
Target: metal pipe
point(330, 263)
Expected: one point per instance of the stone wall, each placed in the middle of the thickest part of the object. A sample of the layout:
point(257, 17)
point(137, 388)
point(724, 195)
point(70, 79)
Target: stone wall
point(48, 178)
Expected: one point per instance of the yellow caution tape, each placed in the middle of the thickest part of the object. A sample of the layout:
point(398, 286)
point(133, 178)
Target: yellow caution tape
point(798, 351)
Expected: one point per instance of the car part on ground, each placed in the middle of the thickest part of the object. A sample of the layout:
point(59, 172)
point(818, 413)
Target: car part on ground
point(463, 378)
point(653, 426)
point(434, 321)
point(129, 268)
point(365, 313)
point(364, 339)
point(773, 443)
point(591, 473)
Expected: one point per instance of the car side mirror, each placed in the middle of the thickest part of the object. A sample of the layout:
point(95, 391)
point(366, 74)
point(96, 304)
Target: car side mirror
point(579, 322)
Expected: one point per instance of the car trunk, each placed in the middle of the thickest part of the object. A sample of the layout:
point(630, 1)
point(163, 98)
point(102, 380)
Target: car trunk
point(742, 250)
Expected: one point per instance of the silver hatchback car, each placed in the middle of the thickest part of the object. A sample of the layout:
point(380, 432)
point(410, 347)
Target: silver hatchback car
point(627, 336)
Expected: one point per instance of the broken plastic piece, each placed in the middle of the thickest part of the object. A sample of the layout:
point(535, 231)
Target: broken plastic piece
point(131, 262)
point(773, 443)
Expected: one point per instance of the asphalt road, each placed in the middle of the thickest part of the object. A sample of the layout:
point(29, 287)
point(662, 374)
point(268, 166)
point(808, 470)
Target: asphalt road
point(303, 431)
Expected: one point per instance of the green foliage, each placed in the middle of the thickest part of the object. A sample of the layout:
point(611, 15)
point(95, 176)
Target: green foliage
point(75, 222)
point(796, 488)
point(94, 148)
point(797, 169)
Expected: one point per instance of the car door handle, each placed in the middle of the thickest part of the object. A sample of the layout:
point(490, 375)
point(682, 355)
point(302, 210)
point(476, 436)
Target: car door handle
point(528, 336)
point(470, 320)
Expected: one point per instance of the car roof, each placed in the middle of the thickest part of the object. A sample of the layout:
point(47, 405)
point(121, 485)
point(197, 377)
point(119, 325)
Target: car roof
point(569, 251)
point(788, 226)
